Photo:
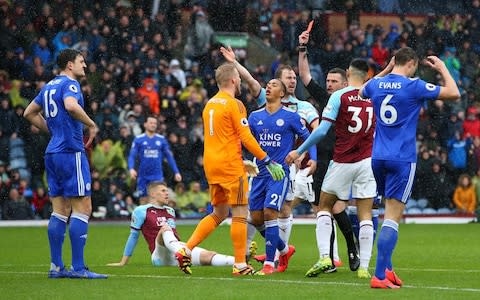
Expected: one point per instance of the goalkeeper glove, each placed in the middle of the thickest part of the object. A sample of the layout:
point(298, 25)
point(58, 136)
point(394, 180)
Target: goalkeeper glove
point(251, 168)
point(275, 169)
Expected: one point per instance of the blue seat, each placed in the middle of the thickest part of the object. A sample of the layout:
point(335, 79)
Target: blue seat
point(411, 203)
point(445, 210)
point(414, 211)
point(429, 211)
point(422, 203)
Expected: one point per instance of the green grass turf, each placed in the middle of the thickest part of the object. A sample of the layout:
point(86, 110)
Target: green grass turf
point(434, 261)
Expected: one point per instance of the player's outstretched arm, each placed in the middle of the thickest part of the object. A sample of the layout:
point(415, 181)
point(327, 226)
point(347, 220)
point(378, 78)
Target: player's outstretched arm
point(253, 86)
point(315, 137)
point(33, 113)
point(303, 67)
point(121, 263)
point(450, 90)
point(129, 247)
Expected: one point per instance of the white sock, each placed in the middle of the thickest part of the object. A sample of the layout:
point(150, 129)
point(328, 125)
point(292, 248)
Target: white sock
point(284, 230)
point(251, 230)
point(335, 243)
point(171, 242)
point(323, 233)
point(222, 260)
point(366, 242)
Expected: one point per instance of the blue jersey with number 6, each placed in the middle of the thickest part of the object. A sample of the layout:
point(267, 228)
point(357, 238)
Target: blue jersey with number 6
point(66, 132)
point(397, 101)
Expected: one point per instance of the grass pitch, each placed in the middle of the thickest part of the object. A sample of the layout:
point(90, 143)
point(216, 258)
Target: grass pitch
point(434, 261)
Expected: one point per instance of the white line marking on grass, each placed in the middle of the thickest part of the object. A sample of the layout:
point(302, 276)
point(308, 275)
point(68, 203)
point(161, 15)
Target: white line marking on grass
point(346, 268)
point(262, 281)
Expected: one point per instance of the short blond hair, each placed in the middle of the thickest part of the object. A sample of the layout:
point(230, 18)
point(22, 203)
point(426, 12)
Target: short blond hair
point(224, 73)
point(154, 184)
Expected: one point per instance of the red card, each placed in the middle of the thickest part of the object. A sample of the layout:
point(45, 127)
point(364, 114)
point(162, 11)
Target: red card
point(310, 25)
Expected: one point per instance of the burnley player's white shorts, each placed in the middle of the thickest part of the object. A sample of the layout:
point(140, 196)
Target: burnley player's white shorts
point(161, 256)
point(290, 194)
point(303, 186)
point(350, 180)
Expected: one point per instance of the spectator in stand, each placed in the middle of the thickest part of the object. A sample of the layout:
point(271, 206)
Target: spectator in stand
point(452, 125)
point(117, 207)
point(149, 96)
point(125, 139)
point(4, 184)
point(380, 54)
point(41, 203)
point(177, 71)
point(17, 208)
point(199, 39)
point(476, 184)
point(107, 157)
point(392, 36)
point(6, 117)
point(451, 62)
point(471, 125)
point(464, 197)
point(193, 203)
point(99, 198)
point(474, 154)
point(457, 152)
point(424, 167)
point(438, 189)
point(185, 157)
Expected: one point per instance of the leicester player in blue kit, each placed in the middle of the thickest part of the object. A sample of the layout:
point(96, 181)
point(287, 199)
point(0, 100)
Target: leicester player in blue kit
point(300, 180)
point(67, 167)
point(397, 99)
point(150, 149)
point(275, 127)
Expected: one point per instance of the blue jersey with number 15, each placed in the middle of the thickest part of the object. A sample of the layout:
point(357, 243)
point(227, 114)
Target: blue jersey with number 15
point(396, 102)
point(66, 132)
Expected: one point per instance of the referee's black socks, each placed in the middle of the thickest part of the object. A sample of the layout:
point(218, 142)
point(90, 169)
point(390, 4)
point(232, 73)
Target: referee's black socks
point(345, 226)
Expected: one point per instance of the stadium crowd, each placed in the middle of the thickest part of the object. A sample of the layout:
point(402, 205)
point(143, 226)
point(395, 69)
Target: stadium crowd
point(160, 60)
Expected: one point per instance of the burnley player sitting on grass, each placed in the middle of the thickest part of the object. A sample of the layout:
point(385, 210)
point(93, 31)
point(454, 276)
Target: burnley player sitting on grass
point(156, 221)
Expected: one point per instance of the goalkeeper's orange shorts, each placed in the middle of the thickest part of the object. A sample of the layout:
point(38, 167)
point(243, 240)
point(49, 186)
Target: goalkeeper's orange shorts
point(233, 192)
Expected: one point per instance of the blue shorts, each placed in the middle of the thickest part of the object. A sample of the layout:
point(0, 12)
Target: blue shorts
point(394, 178)
point(142, 184)
point(268, 193)
point(68, 174)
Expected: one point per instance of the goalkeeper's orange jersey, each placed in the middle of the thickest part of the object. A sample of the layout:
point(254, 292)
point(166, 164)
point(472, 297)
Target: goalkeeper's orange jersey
point(226, 128)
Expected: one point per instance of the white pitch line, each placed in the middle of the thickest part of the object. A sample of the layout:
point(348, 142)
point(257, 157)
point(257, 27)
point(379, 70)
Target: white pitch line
point(397, 269)
point(262, 281)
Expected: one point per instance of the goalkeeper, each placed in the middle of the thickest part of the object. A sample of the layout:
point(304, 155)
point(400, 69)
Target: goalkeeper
point(275, 127)
point(225, 129)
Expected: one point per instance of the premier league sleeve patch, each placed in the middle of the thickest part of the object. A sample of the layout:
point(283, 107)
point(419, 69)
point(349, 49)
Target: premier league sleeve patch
point(73, 88)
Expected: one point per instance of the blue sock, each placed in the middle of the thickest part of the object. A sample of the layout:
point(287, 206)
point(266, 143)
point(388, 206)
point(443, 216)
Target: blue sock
point(78, 237)
point(352, 214)
point(387, 239)
point(375, 214)
point(271, 239)
point(57, 227)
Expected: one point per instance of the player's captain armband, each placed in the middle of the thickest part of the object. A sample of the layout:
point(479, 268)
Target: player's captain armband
point(244, 121)
point(251, 168)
